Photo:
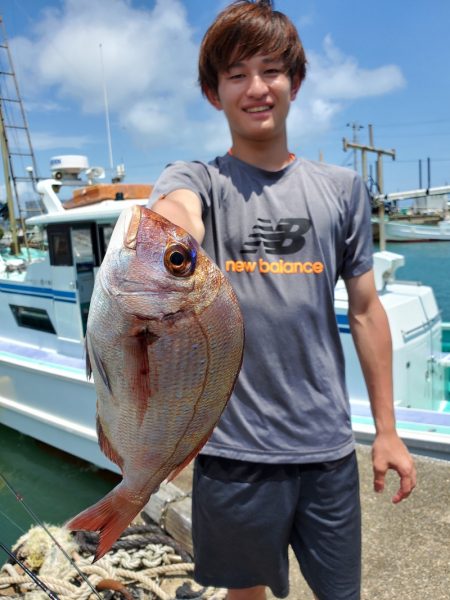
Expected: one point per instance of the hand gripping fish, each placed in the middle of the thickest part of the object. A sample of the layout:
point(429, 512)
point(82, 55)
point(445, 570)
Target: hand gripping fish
point(164, 341)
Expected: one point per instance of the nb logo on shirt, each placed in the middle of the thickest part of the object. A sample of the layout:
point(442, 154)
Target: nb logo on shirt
point(285, 238)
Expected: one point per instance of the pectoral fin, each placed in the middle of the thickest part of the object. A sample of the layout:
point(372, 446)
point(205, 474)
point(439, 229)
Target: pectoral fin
point(88, 359)
point(100, 368)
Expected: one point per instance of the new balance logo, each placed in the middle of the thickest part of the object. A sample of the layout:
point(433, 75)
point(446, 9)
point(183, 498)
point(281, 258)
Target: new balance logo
point(285, 238)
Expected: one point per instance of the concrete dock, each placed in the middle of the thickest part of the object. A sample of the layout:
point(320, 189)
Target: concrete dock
point(406, 547)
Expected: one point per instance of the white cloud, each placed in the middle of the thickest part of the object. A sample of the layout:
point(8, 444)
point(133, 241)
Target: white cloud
point(148, 57)
point(215, 133)
point(333, 81)
point(151, 119)
point(50, 141)
point(25, 193)
point(45, 106)
point(334, 75)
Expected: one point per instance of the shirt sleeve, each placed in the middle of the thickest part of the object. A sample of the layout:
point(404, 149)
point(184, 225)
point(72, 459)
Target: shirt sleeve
point(358, 244)
point(179, 175)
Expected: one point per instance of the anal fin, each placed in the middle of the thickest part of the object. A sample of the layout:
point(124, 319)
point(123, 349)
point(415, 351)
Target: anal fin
point(188, 458)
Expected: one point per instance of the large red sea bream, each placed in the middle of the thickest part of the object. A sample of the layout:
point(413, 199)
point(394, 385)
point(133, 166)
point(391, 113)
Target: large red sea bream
point(164, 342)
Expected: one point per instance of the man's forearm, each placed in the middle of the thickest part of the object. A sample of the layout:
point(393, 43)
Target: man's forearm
point(372, 337)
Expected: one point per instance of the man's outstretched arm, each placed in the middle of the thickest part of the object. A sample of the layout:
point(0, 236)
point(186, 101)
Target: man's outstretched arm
point(372, 337)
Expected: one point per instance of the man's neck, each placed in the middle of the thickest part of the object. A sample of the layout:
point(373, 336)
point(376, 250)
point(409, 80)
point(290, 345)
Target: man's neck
point(267, 156)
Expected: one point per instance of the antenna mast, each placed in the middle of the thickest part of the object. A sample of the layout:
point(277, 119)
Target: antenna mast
point(105, 98)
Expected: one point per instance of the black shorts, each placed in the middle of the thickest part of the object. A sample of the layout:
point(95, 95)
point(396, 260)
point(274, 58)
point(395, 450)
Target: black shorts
point(245, 515)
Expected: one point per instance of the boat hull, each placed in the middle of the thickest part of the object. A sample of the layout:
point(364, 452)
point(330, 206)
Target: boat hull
point(405, 232)
point(51, 402)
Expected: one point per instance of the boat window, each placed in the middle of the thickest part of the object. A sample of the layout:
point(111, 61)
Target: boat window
point(60, 248)
point(37, 238)
point(82, 244)
point(105, 232)
point(33, 318)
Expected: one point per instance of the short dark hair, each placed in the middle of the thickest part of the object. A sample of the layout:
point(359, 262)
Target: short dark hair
point(246, 28)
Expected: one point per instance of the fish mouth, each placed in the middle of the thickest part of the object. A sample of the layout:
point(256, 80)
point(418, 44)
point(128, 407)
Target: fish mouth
point(137, 292)
point(137, 288)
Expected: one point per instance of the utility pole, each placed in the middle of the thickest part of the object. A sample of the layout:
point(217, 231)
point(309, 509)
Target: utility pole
point(428, 173)
point(355, 127)
point(379, 152)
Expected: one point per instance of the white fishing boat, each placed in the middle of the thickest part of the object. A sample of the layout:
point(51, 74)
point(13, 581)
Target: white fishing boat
point(400, 231)
point(44, 392)
point(426, 220)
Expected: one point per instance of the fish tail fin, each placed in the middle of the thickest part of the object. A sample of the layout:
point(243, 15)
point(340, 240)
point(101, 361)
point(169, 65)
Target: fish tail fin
point(110, 516)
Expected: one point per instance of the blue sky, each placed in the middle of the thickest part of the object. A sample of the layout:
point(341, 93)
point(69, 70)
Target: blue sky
point(384, 63)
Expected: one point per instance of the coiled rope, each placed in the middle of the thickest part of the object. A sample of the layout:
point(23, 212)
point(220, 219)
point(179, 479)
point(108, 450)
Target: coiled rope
point(144, 564)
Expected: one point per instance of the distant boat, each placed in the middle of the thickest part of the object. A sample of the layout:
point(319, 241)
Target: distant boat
point(403, 231)
point(427, 220)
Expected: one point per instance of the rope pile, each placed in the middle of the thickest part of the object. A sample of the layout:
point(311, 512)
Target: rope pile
point(144, 564)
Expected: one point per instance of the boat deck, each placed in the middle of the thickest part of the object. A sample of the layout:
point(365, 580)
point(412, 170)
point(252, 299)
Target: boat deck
point(35, 357)
point(405, 546)
point(426, 431)
point(421, 420)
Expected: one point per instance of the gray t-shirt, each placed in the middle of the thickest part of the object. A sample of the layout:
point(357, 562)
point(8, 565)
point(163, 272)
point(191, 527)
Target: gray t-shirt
point(283, 239)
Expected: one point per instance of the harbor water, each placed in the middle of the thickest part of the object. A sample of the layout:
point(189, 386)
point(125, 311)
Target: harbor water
point(57, 486)
point(429, 264)
point(53, 484)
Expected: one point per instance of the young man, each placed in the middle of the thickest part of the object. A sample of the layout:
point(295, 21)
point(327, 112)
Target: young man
point(280, 467)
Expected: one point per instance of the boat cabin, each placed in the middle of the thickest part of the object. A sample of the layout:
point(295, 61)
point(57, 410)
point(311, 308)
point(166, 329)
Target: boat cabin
point(50, 294)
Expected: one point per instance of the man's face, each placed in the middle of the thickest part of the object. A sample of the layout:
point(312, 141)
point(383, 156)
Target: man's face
point(255, 95)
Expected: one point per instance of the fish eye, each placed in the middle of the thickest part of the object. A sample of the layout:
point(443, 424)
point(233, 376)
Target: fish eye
point(176, 258)
point(179, 260)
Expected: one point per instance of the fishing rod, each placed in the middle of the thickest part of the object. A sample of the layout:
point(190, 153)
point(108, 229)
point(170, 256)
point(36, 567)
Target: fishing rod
point(16, 525)
point(34, 577)
point(37, 520)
